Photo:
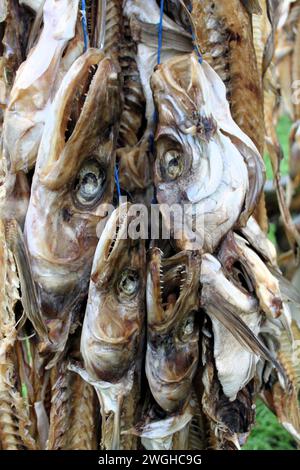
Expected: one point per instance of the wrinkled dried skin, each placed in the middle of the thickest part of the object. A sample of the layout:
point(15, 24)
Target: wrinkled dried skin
point(259, 241)
point(265, 284)
point(230, 421)
point(172, 339)
point(32, 91)
point(16, 30)
point(165, 433)
point(204, 161)
point(112, 331)
point(72, 182)
point(235, 364)
point(144, 17)
point(227, 41)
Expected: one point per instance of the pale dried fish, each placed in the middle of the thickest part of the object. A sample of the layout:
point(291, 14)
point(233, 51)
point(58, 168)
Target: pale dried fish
point(73, 178)
point(112, 331)
point(173, 335)
point(203, 158)
point(32, 91)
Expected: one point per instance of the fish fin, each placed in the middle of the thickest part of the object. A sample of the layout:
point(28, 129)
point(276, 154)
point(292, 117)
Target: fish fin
point(28, 290)
point(252, 7)
point(115, 445)
point(289, 292)
point(147, 33)
point(226, 315)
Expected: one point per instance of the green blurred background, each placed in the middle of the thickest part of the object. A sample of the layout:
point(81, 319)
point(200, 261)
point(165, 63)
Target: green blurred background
point(268, 434)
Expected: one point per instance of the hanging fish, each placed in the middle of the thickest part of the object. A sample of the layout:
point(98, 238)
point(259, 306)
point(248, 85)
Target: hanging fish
point(112, 333)
point(203, 159)
point(72, 181)
point(173, 335)
point(32, 90)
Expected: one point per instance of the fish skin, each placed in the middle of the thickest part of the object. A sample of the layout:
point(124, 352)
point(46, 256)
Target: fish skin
point(60, 229)
point(31, 93)
point(230, 422)
point(227, 42)
point(195, 124)
point(172, 338)
point(143, 17)
point(113, 326)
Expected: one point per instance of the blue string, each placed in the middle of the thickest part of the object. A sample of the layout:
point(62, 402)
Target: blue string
point(117, 181)
point(196, 49)
point(84, 25)
point(160, 30)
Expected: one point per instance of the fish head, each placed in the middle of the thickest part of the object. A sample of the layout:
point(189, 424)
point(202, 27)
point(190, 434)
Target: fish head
point(113, 323)
point(172, 350)
point(73, 182)
point(185, 126)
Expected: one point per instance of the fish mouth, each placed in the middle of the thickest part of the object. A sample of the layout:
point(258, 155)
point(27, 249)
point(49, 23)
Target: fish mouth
point(169, 280)
point(113, 244)
point(76, 101)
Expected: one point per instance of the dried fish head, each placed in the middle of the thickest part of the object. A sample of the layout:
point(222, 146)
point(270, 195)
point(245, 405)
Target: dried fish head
point(32, 90)
point(203, 158)
point(72, 181)
point(113, 324)
point(172, 343)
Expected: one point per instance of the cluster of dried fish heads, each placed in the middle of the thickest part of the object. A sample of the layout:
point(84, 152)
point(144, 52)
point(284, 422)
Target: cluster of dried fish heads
point(115, 341)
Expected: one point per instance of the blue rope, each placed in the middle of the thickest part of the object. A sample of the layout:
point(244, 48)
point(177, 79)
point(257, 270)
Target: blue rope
point(160, 30)
point(84, 25)
point(117, 181)
point(196, 49)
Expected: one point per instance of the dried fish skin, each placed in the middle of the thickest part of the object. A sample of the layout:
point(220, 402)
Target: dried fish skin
point(173, 334)
point(113, 322)
point(143, 18)
point(230, 421)
point(235, 363)
point(72, 181)
point(32, 90)
point(227, 41)
point(203, 158)
point(113, 327)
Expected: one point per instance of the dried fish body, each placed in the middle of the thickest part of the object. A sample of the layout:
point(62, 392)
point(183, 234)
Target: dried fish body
point(235, 364)
point(172, 339)
point(144, 16)
point(230, 422)
point(112, 331)
point(82, 430)
point(160, 434)
point(228, 44)
point(203, 158)
point(14, 417)
point(72, 181)
point(32, 90)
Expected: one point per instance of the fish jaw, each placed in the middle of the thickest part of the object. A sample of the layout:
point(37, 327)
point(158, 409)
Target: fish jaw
point(172, 346)
point(113, 324)
point(31, 93)
point(199, 164)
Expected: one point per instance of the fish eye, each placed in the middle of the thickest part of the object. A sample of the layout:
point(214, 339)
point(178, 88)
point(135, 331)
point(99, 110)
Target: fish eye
point(90, 183)
point(128, 283)
point(173, 164)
